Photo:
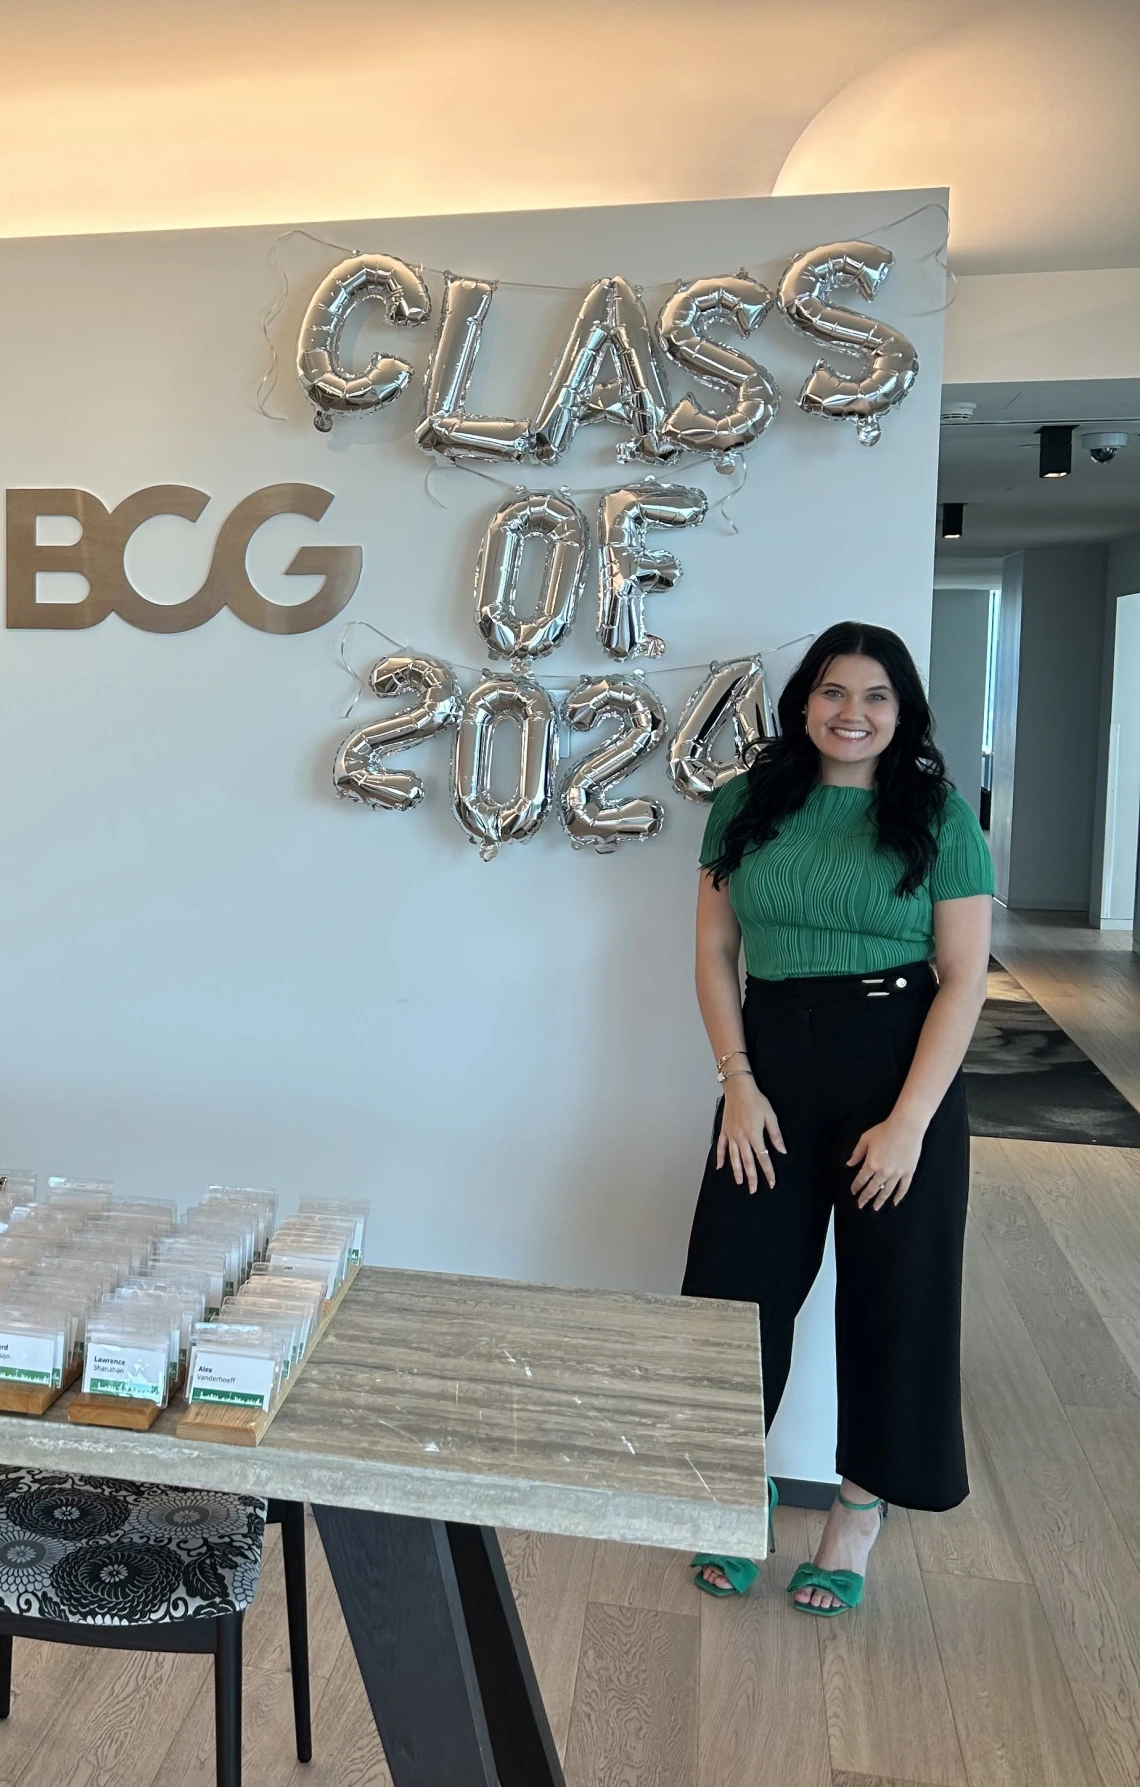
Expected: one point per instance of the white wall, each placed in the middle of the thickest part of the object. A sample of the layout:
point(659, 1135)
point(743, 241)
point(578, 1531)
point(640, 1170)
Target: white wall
point(1008, 328)
point(214, 970)
point(958, 637)
point(1046, 734)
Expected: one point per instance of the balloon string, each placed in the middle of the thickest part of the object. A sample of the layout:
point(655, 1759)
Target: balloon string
point(398, 646)
point(268, 381)
point(737, 487)
point(443, 464)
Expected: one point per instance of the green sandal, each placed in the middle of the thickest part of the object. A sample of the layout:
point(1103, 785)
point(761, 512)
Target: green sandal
point(845, 1585)
point(741, 1572)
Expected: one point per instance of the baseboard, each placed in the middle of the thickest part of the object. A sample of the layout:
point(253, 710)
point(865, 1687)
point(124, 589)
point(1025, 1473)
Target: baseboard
point(1110, 924)
point(1044, 906)
point(801, 1492)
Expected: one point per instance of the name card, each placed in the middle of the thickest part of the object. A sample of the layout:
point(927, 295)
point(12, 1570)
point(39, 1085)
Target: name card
point(126, 1371)
point(240, 1380)
point(32, 1359)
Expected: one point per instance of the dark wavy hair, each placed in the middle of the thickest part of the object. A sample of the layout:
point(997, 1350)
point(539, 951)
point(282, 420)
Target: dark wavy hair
point(910, 786)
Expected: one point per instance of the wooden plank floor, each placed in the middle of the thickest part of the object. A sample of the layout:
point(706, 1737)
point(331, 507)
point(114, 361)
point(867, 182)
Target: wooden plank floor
point(1089, 981)
point(998, 1646)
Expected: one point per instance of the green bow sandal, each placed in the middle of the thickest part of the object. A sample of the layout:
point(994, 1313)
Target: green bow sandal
point(845, 1585)
point(741, 1572)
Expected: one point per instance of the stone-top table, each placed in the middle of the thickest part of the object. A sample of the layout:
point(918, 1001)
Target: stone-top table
point(437, 1407)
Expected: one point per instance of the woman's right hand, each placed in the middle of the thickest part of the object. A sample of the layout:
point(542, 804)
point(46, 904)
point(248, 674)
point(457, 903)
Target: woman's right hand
point(747, 1126)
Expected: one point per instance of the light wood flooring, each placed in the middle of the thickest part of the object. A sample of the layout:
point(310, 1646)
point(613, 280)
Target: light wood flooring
point(998, 1646)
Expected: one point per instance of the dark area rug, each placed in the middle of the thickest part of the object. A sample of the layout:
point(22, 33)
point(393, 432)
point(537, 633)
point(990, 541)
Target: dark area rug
point(1027, 1079)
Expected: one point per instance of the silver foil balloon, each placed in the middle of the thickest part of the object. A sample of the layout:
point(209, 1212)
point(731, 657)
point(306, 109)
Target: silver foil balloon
point(611, 334)
point(489, 820)
point(588, 816)
point(437, 701)
point(732, 694)
point(630, 570)
point(682, 327)
point(328, 384)
point(555, 523)
point(446, 427)
point(805, 295)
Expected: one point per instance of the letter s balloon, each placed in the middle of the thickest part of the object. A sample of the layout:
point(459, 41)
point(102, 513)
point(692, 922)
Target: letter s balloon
point(805, 295)
point(683, 328)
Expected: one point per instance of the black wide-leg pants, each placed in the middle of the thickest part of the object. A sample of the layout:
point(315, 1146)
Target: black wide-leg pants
point(831, 1055)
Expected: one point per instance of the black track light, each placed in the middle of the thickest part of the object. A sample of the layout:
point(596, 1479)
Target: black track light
point(952, 521)
point(1056, 459)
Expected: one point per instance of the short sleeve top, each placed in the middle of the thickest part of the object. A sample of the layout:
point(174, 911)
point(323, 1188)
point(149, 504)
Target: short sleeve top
point(819, 897)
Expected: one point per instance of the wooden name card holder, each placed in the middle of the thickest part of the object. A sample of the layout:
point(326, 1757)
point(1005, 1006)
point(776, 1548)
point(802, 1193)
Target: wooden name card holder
point(36, 1399)
point(248, 1427)
point(132, 1412)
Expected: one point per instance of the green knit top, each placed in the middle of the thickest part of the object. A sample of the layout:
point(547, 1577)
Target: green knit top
point(819, 897)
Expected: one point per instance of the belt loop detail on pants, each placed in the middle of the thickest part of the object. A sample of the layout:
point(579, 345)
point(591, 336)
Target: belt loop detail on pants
point(876, 988)
point(910, 980)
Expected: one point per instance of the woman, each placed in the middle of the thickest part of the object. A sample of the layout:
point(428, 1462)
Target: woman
point(844, 860)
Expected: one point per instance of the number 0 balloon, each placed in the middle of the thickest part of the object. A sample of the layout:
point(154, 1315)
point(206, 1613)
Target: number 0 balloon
point(547, 521)
point(489, 819)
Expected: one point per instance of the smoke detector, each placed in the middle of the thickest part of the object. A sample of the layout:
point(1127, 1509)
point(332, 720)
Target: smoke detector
point(959, 412)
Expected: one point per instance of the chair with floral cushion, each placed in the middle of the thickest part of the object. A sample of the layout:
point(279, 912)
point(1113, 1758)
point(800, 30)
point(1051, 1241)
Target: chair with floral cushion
point(139, 1566)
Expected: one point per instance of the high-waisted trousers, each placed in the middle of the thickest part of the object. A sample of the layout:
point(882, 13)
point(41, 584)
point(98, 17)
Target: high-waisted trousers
point(831, 1055)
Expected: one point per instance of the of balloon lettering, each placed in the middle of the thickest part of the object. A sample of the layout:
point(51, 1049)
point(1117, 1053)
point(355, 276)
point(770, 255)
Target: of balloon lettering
point(630, 570)
point(558, 525)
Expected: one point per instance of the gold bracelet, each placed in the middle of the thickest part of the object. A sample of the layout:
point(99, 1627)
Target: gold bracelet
point(737, 1073)
point(721, 1059)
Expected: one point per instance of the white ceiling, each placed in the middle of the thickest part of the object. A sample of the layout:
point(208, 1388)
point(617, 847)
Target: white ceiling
point(991, 465)
point(135, 114)
point(1029, 113)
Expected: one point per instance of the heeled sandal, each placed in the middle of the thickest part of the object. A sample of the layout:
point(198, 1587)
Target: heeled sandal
point(846, 1586)
point(739, 1572)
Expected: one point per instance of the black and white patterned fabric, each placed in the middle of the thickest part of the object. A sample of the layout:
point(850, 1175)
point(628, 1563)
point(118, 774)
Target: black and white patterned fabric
point(98, 1552)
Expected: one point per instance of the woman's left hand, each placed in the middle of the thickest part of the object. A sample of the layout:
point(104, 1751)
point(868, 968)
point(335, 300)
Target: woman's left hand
point(886, 1156)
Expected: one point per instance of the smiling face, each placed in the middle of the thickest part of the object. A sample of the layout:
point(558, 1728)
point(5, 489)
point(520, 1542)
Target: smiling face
point(851, 718)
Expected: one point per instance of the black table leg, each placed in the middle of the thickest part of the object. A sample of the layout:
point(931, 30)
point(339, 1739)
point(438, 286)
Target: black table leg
point(441, 1650)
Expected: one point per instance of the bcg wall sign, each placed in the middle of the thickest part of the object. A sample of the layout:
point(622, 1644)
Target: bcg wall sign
point(98, 555)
